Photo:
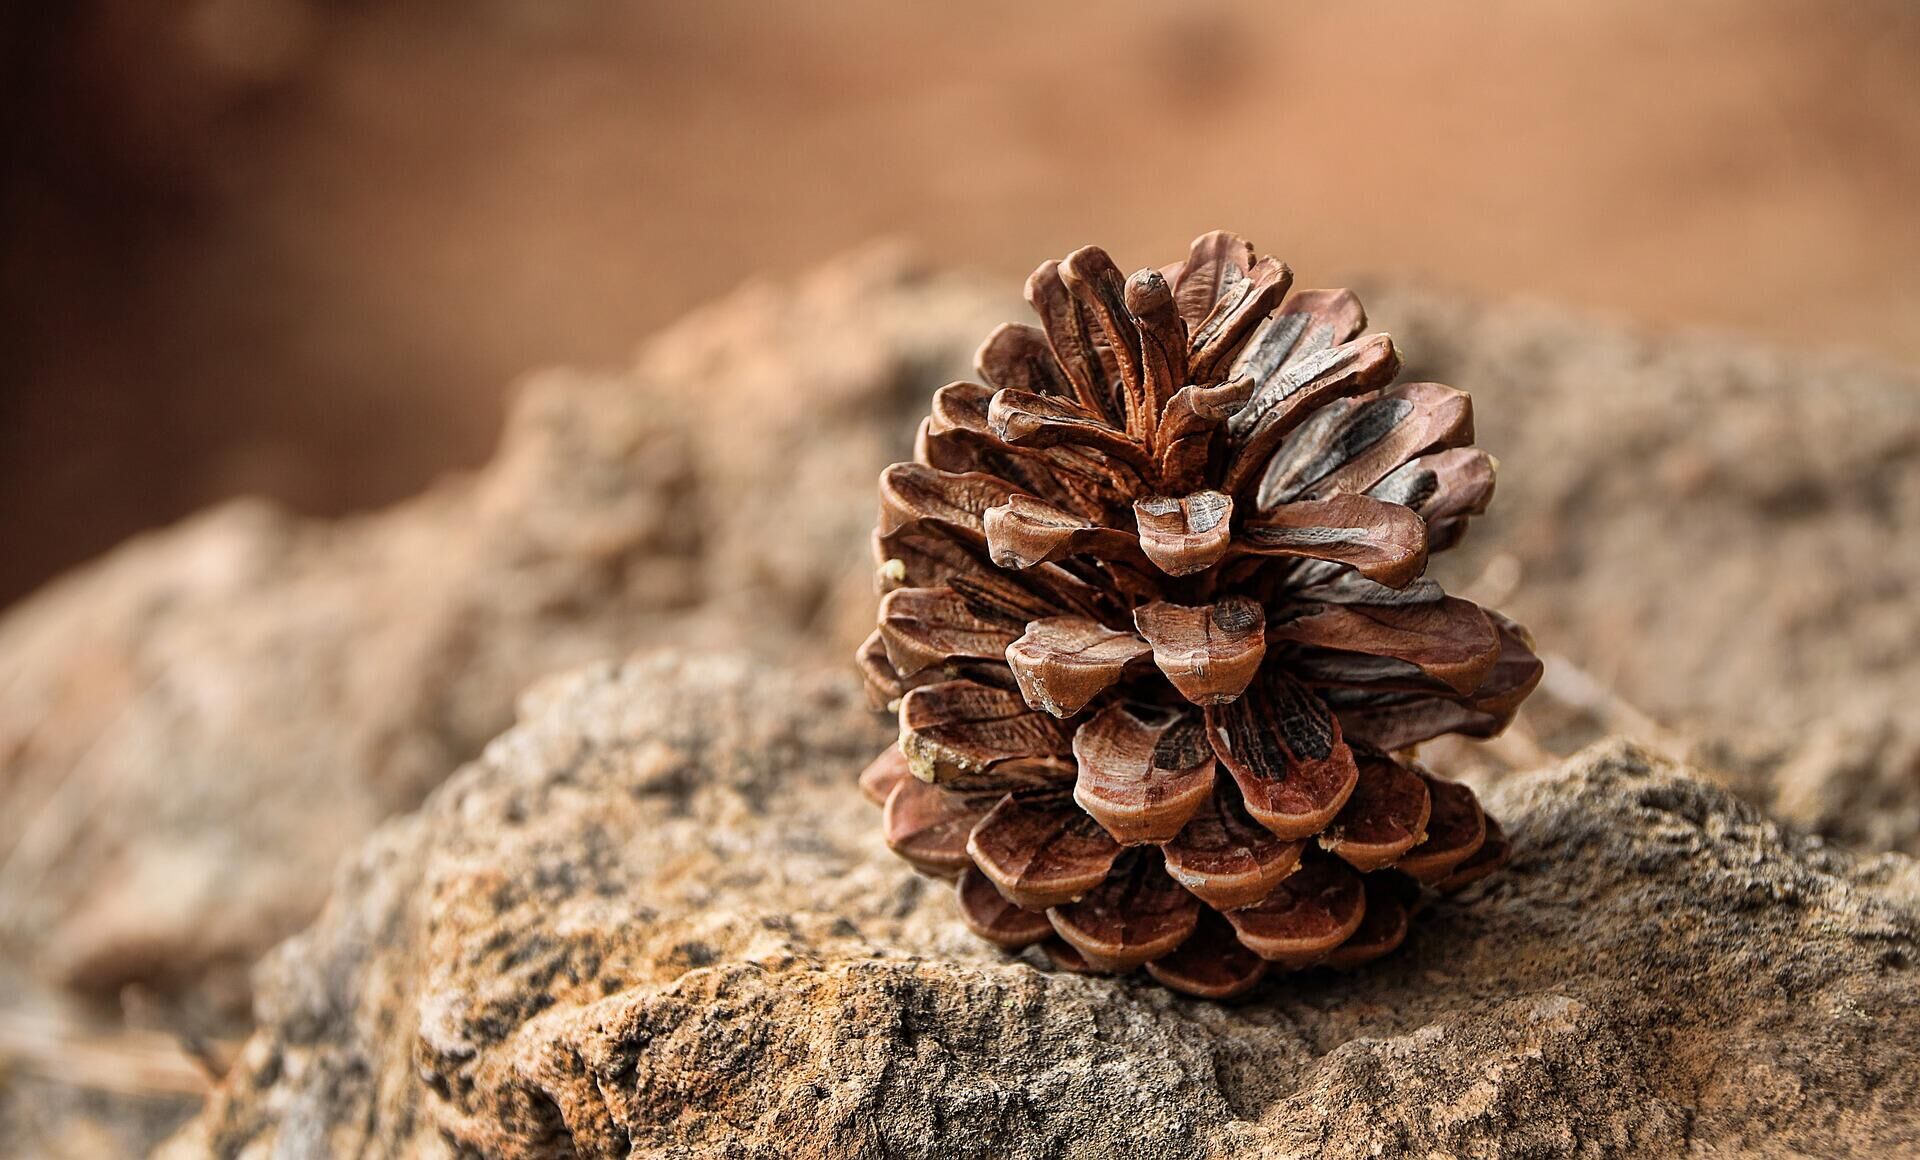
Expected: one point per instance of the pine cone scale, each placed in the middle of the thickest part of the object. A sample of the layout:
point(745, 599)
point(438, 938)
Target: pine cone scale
point(1385, 542)
point(883, 773)
point(1382, 928)
point(1456, 829)
point(1226, 858)
point(1137, 914)
point(1446, 642)
point(1211, 964)
point(1016, 356)
point(1384, 819)
point(1063, 662)
point(996, 918)
point(968, 736)
point(1493, 853)
point(1214, 261)
point(1185, 534)
point(1070, 340)
point(1241, 306)
point(930, 829)
point(1210, 652)
point(1312, 911)
point(1042, 851)
point(1142, 780)
point(1298, 395)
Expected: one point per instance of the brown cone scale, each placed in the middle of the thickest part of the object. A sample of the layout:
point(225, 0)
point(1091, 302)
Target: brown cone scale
point(1382, 928)
point(1456, 829)
point(1138, 914)
point(989, 914)
point(929, 828)
point(1385, 817)
point(883, 773)
point(1312, 911)
point(1157, 634)
point(1041, 852)
point(1226, 858)
point(1211, 964)
point(1491, 856)
point(1142, 779)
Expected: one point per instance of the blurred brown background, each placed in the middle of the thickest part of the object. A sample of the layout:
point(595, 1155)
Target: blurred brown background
point(301, 247)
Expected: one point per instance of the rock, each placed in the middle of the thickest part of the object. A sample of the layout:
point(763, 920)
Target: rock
point(1710, 532)
point(1863, 782)
point(194, 729)
point(1704, 536)
point(656, 919)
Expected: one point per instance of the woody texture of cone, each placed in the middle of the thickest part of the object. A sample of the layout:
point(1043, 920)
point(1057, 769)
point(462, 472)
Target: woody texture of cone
point(1155, 623)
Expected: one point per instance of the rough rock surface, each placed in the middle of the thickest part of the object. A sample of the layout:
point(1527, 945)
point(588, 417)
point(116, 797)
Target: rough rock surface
point(192, 730)
point(195, 729)
point(655, 919)
point(1717, 533)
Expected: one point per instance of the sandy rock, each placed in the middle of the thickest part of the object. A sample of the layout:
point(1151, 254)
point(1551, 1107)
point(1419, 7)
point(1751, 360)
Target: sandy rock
point(655, 919)
point(1708, 531)
point(1861, 781)
point(193, 730)
point(1707, 526)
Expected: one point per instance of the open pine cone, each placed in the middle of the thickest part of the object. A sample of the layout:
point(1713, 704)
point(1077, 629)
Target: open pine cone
point(1182, 531)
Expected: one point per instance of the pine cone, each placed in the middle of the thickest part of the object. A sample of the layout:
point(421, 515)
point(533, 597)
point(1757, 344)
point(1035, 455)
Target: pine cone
point(1182, 531)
